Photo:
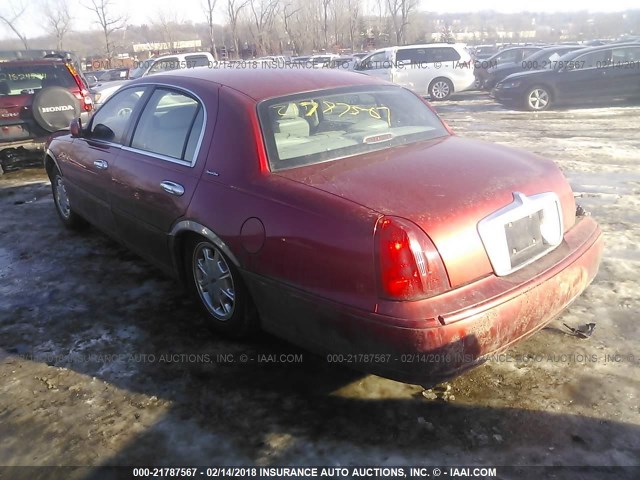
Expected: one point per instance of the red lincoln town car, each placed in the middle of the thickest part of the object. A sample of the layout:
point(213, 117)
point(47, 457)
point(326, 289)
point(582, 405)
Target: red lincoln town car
point(331, 209)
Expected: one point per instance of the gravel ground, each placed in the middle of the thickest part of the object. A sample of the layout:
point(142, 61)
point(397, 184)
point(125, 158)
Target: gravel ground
point(103, 361)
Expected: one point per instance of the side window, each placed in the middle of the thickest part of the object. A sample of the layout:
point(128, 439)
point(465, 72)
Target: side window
point(170, 125)
point(197, 61)
point(111, 121)
point(164, 65)
point(411, 55)
point(444, 54)
point(375, 61)
point(625, 55)
point(591, 60)
point(509, 56)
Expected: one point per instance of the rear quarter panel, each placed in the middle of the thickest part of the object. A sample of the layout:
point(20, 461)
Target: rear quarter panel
point(313, 240)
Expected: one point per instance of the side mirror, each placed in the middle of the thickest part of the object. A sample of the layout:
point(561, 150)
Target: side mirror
point(76, 128)
point(102, 132)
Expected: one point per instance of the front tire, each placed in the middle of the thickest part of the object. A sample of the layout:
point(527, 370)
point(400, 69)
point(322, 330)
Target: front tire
point(537, 99)
point(69, 218)
point(220, 290)
point(440, 89)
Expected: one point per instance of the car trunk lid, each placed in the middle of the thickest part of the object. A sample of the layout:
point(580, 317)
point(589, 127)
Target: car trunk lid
point(446, 186)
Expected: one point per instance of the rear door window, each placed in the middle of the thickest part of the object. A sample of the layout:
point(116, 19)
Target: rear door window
point(165, 65)
point(170, 125)
point(597, 59)
point(411, 55)
point(509, 56)
point(626, 56)
point(197, 61)
point(444, 54)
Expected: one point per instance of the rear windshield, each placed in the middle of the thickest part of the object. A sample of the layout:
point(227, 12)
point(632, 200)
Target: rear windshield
point(24, 79)
point(326, 125)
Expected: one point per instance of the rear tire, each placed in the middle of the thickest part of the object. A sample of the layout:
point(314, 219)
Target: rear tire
point(440, 89)
point(69, 218)
point(217, 285)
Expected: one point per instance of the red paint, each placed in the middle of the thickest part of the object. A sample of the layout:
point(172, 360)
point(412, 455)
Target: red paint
point(306, 237)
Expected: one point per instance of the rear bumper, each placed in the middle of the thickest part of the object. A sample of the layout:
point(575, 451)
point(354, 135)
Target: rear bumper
point(426, 350)
point(28, 144)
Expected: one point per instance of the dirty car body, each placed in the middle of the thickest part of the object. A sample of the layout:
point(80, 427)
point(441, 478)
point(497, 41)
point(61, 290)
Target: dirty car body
point(334, 210)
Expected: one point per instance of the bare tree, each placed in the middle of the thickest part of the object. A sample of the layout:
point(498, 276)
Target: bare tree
point(58, 19)
point(168, 24)
point(353, 10)
point(209, 7)
point(263, 12)
point(399, 11)
point(325, 21)
point(108, 21)
point(289, 10)
point(234, 7)
point(11, 20)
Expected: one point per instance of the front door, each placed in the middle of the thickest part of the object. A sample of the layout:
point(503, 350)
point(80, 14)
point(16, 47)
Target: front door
point(90, 163)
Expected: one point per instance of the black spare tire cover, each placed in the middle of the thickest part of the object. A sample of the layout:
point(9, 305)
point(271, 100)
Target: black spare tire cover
point(54, 108)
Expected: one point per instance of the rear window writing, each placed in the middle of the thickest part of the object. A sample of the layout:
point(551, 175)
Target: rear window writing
point(24, 79)
point(327, 125)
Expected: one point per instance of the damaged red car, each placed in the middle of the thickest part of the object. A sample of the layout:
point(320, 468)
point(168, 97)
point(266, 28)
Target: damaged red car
point(331, 209)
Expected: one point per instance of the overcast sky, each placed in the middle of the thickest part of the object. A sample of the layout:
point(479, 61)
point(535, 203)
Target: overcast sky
point(144, 11)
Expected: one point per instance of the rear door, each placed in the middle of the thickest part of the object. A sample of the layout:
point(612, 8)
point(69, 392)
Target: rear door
point(157, 172)
point(89, 165)
point(584, 79)
point(624, 71)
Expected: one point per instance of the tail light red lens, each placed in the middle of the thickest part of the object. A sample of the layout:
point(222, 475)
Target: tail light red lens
point(85, 97)
point(409, 265)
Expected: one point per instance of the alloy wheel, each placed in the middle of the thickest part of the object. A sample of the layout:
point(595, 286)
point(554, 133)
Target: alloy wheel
point(538, 99)
point(61, 197)
point(214, 281)
point(440, 90)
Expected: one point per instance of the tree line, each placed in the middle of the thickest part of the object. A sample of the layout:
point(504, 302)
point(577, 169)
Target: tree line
point(263, 27)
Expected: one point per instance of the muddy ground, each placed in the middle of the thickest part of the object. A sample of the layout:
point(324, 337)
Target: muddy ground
point(95, 344)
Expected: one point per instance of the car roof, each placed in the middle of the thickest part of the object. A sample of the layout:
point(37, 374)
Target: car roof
point(179, 55)
point(609, 46)
point(263, 83)
point(428, 45)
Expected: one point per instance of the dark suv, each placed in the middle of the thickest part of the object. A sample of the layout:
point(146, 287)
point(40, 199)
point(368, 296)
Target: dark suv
point(37, 97)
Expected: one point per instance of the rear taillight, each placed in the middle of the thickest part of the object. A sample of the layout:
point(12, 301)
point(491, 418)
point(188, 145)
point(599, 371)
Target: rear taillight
point(87, 101)
point(85, 98)
point(409, 266)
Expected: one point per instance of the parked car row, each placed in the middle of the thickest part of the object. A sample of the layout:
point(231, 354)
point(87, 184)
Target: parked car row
point(42, 95)
point(585, 75)
point(538, 60)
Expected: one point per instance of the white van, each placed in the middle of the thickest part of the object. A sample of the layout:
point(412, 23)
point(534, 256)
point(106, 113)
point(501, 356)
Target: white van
point(434, 69)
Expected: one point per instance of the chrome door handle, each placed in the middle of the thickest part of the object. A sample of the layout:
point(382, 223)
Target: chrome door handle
point(172, 188)
point(101, 164)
